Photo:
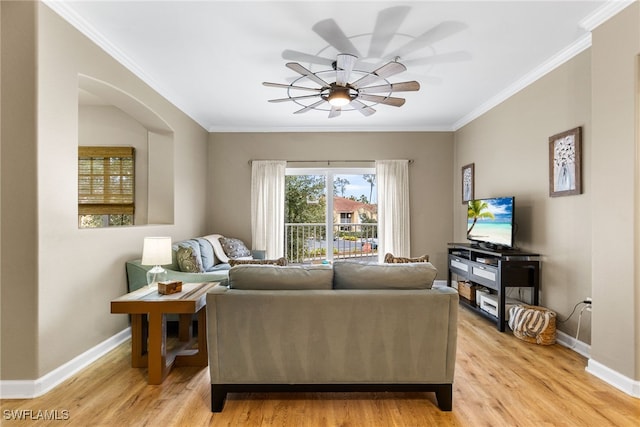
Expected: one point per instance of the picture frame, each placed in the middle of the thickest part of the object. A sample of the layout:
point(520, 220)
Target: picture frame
point(468, 183)
point(565, 163)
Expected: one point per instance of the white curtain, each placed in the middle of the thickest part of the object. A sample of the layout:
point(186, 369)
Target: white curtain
point(393, 208)
point(267, 206)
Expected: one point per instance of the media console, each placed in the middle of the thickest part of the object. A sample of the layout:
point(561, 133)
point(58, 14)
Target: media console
point(496, 270)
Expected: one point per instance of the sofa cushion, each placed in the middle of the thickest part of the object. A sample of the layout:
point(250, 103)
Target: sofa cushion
point(390, 259)
point(206, 253)
point(353, 275)
point(280, 261)
point(234, 248)
point(275, 277)
point(188, 260)
point(188, 243)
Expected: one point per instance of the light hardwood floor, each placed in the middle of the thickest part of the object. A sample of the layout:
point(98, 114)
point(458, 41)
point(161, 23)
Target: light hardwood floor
point(500, 381)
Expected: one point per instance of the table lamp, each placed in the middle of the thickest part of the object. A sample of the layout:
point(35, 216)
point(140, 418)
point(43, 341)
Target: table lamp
point(156, 251)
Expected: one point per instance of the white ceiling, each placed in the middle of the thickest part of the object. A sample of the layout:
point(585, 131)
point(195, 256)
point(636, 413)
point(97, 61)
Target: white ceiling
point(209, 58)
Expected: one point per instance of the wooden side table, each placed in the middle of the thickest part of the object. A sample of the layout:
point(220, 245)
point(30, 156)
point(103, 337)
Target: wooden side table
point(149, 337)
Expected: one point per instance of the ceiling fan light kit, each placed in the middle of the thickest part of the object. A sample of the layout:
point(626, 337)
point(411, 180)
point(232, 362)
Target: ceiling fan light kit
point(342, 95)
point(338, 96)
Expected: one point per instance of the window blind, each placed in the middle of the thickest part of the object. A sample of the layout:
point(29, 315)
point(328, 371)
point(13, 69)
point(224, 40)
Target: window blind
point(106, 178)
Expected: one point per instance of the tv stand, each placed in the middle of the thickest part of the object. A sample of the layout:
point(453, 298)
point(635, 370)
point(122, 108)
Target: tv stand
point(490, 247)
point(497, 270)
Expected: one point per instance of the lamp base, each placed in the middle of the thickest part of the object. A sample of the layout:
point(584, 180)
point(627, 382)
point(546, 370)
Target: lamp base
point(155, 275)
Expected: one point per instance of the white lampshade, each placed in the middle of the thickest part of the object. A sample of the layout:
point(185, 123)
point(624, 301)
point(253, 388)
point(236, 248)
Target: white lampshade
point(156, 251)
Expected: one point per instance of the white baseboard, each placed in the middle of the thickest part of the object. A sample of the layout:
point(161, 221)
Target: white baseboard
point(570, 342)
point(616, 379)
point(606, 374)
point(28, 389)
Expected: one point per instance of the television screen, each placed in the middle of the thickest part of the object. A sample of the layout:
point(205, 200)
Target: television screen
point(490, 221)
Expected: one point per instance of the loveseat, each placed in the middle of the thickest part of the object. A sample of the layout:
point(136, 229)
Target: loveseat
point(346, 327)
point(200, 259)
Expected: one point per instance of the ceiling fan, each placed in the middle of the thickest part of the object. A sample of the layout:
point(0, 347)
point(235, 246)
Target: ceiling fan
point(337, 94)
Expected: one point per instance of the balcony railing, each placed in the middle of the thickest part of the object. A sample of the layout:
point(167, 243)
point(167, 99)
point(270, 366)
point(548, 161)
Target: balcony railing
point(307, 243)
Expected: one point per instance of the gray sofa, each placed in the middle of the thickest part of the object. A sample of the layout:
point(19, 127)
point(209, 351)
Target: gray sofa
point(364, 327)
point(211, 257)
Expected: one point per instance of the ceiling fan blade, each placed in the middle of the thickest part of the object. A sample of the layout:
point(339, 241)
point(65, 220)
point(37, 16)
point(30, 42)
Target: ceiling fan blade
point(387, 24)
point(301, 70)
point(441, 58)
point(363, 108)
point(335, 112)
point(344, 66)
point(286, 86)
point(392, 87)
point(387, 70)
point(329, 30)
point(294, 55)
point(293, 98)
point(309, 107)
point(386, 100)
point(439, 32)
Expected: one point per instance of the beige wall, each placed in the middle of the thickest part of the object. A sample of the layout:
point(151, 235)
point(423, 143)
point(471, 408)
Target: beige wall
point(589, 242)
point(430, 184)
point(55, 297)
point(18, 276)
point(509, 146)
point(57, 281)
point(615, 164)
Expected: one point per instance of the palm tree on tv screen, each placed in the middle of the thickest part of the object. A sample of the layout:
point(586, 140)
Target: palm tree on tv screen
point(478, 209)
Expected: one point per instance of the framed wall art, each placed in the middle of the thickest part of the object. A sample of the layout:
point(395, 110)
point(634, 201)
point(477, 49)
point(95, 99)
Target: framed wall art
point(467, 182)
point(565, 165)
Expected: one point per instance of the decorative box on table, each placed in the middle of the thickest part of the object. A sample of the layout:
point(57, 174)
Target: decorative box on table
point(169, 287)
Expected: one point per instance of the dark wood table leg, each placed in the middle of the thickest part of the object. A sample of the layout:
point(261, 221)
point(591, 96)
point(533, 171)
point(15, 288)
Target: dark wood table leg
point(139, 333)
point(185, 327)
point(157, 356)
point(198, 357)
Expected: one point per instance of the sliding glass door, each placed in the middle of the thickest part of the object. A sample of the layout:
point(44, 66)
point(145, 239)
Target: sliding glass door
point(330, 214)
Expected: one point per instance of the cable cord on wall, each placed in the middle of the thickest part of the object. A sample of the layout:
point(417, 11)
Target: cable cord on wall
point(575, 342)
point(572, 312)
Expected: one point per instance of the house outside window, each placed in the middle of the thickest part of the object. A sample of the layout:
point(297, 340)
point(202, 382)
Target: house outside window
point(328, 214)
point(106, 186)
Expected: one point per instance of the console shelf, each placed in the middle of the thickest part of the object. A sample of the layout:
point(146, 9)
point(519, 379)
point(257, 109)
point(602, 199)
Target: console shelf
point(496, 270)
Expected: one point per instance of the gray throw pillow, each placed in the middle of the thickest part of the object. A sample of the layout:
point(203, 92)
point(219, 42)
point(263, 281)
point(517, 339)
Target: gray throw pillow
point(234, 248)
point(188, 261)
point(352, 275)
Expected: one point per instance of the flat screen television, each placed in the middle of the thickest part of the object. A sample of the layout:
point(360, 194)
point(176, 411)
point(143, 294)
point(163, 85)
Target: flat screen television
point(490, 222)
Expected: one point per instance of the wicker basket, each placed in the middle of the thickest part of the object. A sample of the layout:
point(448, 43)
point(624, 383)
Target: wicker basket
point(533, 324)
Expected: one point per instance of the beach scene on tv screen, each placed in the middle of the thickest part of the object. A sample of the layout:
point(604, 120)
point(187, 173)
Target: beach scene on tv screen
point(490, 220)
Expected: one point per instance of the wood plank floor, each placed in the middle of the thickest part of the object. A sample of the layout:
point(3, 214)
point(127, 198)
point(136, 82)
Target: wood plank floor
point(500, 381)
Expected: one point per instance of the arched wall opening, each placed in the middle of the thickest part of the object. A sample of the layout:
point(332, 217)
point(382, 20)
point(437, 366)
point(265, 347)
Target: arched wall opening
point(107, 116)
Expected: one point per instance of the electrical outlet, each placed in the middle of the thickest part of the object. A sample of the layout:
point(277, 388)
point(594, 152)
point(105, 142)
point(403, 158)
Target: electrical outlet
point(588, 308)
point(588, 300)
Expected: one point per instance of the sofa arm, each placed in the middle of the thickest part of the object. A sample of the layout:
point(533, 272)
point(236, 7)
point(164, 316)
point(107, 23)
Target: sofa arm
point(137, 275)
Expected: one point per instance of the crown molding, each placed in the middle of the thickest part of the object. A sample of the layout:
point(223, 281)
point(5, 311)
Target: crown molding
point(68, 14)
point(551, 64)
point(603, 13)
point(301, 129)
